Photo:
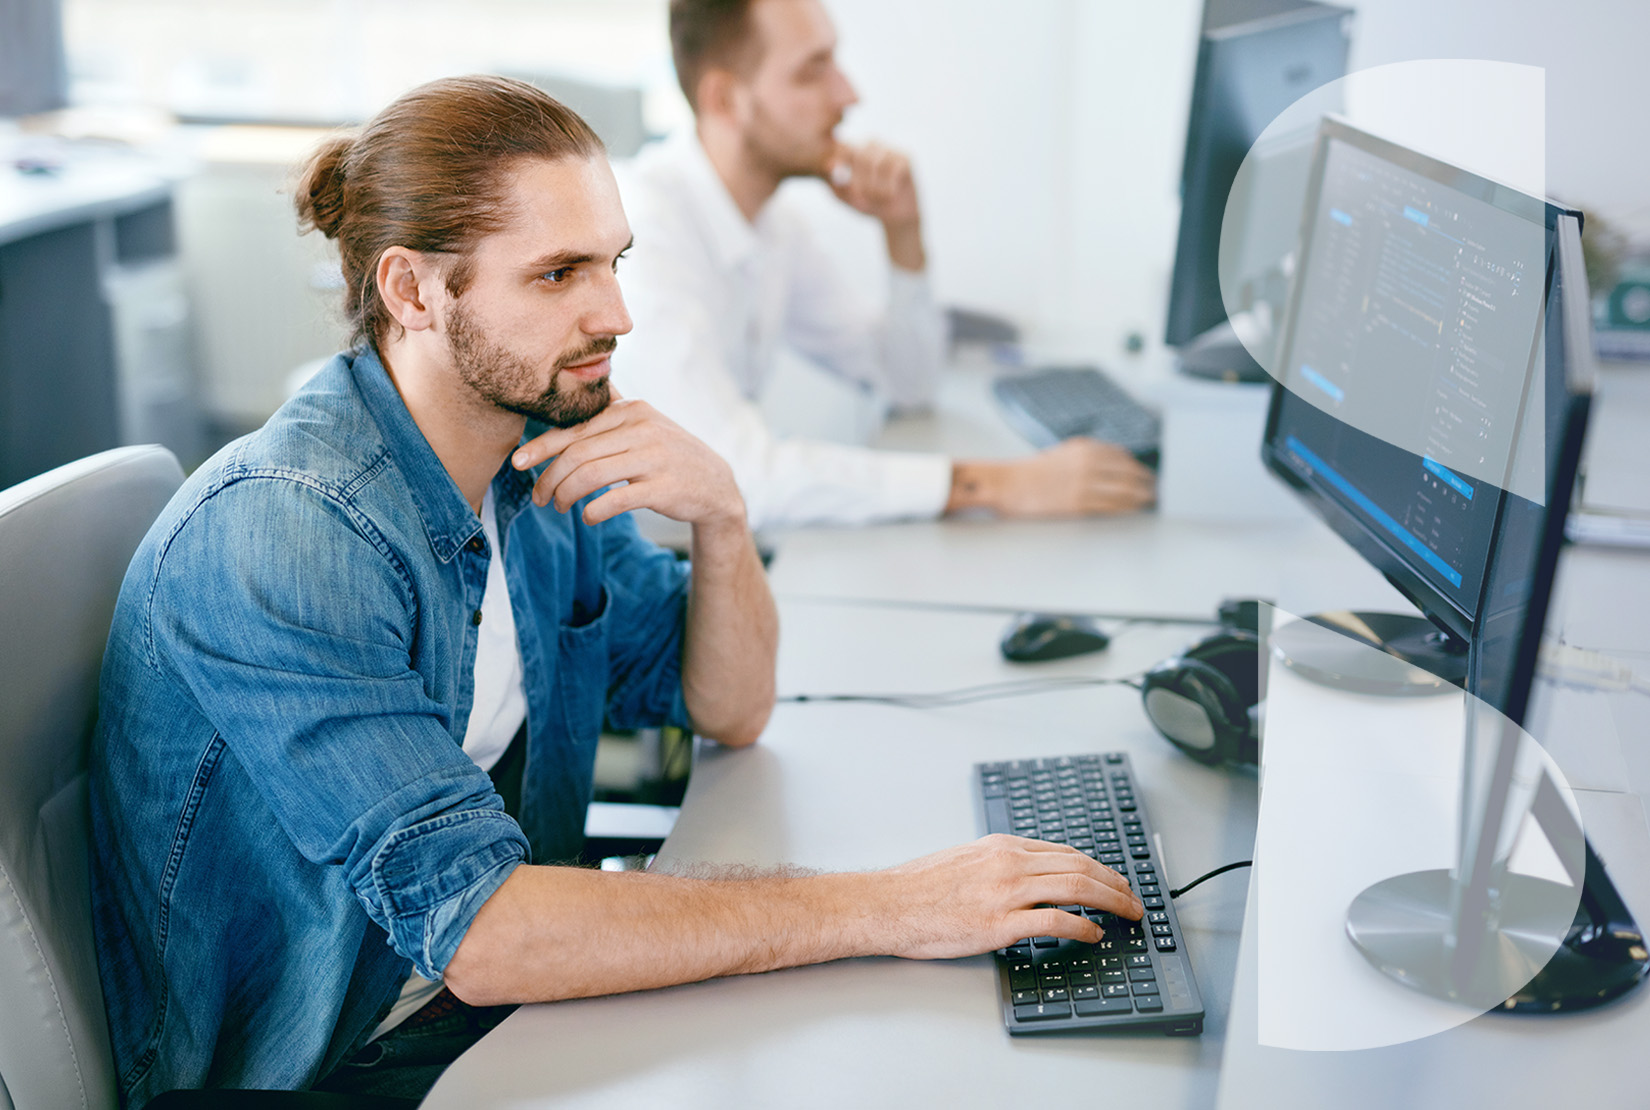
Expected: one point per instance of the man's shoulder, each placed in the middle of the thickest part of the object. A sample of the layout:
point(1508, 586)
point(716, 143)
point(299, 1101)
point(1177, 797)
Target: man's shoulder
point(321, 444)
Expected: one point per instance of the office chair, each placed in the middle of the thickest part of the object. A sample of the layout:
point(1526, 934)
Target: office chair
point(66, 537)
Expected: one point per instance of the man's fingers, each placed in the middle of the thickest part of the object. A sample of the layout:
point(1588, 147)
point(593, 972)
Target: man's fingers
point(591, 477)
point(1050, 922)
point(557, 440)
point(620, 499)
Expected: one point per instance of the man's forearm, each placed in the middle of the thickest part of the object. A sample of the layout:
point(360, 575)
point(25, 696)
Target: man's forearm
point(557, 932)
point(905, 248)
point(534, 939)
point(732, 636)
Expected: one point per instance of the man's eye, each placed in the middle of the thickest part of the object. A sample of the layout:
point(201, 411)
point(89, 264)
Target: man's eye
point(556, 277)
point(617, 257)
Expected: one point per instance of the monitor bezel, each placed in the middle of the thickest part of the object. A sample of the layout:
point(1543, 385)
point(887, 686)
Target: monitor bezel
point(1444, 611)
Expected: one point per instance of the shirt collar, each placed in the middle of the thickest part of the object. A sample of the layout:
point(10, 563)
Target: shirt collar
point(449, 522)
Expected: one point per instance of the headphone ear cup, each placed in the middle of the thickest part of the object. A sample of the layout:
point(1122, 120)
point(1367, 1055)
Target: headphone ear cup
point(1196, 707)
point(1201, 701)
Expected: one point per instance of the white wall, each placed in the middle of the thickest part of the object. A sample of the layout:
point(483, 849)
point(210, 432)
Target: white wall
point(1048, 133)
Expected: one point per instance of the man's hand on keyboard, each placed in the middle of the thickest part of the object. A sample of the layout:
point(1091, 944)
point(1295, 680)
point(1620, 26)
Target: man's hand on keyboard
point(986, 894)
point(1076, 477)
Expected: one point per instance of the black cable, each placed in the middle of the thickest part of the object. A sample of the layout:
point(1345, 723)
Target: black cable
point(1005, 610)
point(968, 694)
point(1210, 875)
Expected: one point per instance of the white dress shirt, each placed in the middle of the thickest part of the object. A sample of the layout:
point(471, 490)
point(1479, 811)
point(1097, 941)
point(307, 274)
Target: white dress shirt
point(714, 296)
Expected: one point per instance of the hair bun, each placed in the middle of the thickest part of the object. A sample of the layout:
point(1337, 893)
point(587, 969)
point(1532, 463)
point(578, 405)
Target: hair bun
point(319, 195)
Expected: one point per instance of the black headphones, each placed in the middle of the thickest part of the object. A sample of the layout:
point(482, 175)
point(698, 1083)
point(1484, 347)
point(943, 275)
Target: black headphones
point(1206, 700)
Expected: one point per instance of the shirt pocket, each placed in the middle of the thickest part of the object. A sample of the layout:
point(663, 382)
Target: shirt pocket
point(582, 681)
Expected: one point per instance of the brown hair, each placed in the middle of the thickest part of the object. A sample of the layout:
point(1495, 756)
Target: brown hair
point(707, 34)
point(428, 173)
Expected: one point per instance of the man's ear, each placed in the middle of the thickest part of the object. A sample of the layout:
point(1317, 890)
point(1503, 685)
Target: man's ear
point(722, 95)
point(408, 282)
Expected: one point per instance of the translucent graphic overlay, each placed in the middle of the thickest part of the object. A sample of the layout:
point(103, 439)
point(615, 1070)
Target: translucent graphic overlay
point(1363, 280)
point(1363, 794)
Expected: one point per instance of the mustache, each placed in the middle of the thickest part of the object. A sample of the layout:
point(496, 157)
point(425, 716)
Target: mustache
point(603, 346)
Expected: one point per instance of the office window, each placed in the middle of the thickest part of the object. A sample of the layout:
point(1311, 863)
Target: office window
point(338, 61)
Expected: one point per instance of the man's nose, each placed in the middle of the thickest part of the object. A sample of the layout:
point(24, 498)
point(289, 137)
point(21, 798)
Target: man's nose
point(846, 94)
point(608, 316)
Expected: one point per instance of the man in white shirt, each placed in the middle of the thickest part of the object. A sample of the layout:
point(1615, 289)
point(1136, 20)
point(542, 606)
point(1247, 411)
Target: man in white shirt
point(725, 272)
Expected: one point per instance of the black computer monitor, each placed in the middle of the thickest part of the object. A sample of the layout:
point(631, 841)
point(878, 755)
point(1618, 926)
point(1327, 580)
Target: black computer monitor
point(33, 76)
point(1435, 382)
point(1255, 58)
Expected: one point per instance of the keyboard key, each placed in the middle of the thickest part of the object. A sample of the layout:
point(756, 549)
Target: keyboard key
point(1044, 942)
point(1142, 974)
point(1084, 994)
point(1114, 990)
point(1151, 902)
point(1056, 994)
point(1025, 998)
point(1149, 1003)
point(1165, 944)
point(1137, 961)
point(1162, 931)
point(1043, 1011)
point(1098, 1006)
point(1145, 987)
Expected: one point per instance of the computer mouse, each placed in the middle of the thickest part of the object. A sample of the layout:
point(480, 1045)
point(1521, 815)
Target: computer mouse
point(1036, 637)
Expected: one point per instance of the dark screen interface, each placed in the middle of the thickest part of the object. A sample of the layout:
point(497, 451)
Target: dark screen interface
point(1412, 344)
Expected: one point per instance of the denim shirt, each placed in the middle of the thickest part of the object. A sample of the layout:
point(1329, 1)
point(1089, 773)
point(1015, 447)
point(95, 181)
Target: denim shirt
point(283, 819)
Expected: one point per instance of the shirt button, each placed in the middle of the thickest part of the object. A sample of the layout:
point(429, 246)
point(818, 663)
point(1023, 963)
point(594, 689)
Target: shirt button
point(475, 618)
point(474, 544)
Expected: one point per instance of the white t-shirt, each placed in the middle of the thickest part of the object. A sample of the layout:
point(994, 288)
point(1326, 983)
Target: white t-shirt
point(496, 713)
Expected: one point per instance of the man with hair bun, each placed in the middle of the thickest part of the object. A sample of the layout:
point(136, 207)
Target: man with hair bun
point(727, 270)
point(359, 665)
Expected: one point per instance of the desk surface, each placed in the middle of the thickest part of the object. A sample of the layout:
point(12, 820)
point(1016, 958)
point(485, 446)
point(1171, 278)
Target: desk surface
point(837, 786)
point(863, 786)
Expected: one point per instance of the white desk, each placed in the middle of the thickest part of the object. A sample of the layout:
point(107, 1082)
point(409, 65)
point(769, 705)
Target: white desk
point(859, 786)
point(852, 786)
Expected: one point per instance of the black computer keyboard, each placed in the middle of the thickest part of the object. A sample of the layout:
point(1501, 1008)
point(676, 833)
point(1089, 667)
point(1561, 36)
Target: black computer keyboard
point(1139, 975)
point(1058, 402)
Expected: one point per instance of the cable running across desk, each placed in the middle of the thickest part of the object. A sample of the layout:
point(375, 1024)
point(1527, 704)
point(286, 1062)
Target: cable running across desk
point(967, 694)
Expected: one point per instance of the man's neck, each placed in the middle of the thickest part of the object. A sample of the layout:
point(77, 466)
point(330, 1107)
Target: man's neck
point(470, 437)
point(748, 185)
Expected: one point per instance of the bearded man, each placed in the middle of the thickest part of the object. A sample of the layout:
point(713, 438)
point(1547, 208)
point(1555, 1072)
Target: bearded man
point(359, 665)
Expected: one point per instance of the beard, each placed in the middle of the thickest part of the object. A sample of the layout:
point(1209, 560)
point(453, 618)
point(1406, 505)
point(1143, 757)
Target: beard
point(503, 378)
point(782, 155)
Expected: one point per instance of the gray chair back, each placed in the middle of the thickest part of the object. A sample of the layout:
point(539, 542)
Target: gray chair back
point(66, 538)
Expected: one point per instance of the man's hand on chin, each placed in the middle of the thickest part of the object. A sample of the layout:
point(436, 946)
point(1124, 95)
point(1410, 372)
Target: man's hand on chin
point(662, 467)
point(878, 182)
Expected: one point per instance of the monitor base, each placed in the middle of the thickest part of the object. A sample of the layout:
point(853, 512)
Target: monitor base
point(1372, 653)
point(1219, 355)
point(1548, 955)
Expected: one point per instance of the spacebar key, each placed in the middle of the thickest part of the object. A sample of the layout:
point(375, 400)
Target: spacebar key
point(1042, 1011)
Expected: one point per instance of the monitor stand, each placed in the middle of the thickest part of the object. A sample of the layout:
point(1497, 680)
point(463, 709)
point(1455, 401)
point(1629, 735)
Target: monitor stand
point(1412, 657)
point(1537, 956)
point(1219, 355)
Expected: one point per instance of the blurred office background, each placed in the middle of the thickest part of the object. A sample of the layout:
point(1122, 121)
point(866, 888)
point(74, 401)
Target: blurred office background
point(1047, 135)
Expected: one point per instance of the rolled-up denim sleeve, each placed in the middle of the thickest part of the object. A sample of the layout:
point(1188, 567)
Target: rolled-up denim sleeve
point(647, 590)
point(297, 643)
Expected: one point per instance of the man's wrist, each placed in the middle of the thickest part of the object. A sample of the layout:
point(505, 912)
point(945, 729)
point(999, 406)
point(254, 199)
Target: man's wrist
point(975, 485)
point(905, 248)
